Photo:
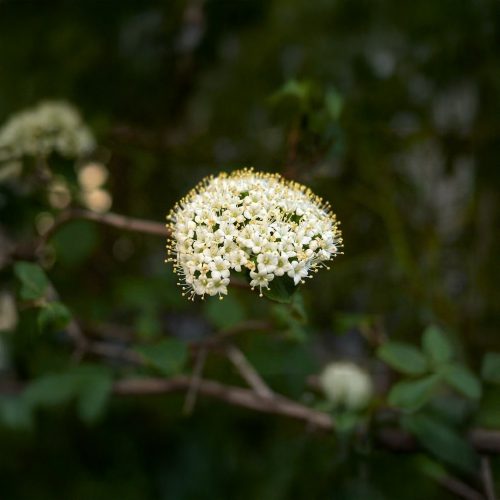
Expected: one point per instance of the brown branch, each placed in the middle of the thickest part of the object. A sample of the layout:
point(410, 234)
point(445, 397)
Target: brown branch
point(194, 386)
point(248, 372)
point(237, 396)
point(487, 477)
point(459, 488)
point(486, 440)
point(110, 350)
point(109, 219)
point(397, 440)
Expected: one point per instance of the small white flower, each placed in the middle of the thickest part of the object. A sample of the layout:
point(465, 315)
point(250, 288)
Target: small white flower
point(249, 222)
point(261, 278)
point(298, 271)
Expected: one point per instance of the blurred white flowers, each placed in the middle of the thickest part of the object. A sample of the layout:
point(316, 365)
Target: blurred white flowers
point(253, 222)
point(91, 178)
point(346, 385)
point(8, 311)
point(51, 126)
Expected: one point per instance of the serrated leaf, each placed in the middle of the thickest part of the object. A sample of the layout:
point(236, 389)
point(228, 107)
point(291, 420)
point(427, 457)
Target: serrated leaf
point(168, 356)
point(281, 290)
point(442, 441)
point(403, 358)
point(413, 394)
point(435, 344)
point(462, 380)
point(53, 316)
point(490, 371)
point(34, 282)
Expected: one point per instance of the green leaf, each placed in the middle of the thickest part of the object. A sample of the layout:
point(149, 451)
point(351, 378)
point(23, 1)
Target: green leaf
point(224, 313)
point(490, 371)
point(281, 290)
point(333, 103)
point(75, 242)
point(94, 390)
point(89, 385)
point(53, 316)
point(292, 318)
point(15, 414)
point(168, 356)
point(462, 380)
point(413, 394)
point(148, 325)
point(489, 411)
point(442, 441)
point(34, 282)
point(435, 344)
point(403, 358)
point(50, 390)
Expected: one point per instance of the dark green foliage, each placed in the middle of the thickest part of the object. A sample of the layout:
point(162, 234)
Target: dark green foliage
point(389, 110)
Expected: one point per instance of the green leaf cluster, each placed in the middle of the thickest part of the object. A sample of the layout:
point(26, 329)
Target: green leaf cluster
point(427, 369)
point(35, 287)
point(88, 386)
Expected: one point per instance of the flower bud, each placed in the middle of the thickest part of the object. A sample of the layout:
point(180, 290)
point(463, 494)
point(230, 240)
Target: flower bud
point(346, 385)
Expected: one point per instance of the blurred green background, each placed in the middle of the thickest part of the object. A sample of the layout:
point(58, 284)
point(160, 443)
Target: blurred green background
point(387, 109)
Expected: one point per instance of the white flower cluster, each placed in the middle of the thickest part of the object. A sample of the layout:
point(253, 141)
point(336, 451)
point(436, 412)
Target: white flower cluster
point(253, 223)
point(346, 385)
point(51, 126)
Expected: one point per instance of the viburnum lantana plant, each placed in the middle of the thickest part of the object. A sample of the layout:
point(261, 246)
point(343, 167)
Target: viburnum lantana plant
point(254, 223)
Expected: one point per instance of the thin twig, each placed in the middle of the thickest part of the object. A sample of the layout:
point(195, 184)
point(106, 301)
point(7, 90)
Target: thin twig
point(111, 350)
point(109, 219)
point(487, 477)
point(237, 396)
point(248, 372)
point(194, 386)
point(486, 440)
point(459, 488)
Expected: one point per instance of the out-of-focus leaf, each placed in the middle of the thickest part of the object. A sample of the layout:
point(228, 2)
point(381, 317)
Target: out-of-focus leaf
point(403, 358)
point(413, 394)
point(343, 322)
point(168, 356)
point(148, 325)
point(294, 92)
point(442, 441)
point(333, 103)
point(75, 241)
point(281, 290)
point(34, 282)
point(490, 370)
point(94, 390)
point(224, 313)
point(489, 410)
point(462, 380)
point(50, 390)
point(15, 414)
point(435, 344)
point(89, 385)
point(292, 318)
point(53, 316)
point(451, 407)
point(272, 356)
